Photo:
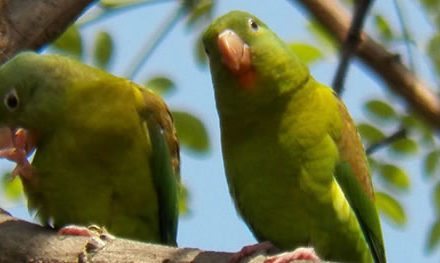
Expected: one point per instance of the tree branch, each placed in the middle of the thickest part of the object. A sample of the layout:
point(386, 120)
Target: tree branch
point(22, 241)
point(30, 24)
point(387, 66)
point(399, 134)
point(350, 43)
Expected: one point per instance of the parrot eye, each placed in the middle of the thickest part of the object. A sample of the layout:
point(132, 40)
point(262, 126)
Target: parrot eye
point(11, 100)
point(254, 26)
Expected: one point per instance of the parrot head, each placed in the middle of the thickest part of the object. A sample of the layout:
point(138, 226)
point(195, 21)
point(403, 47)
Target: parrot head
point(30, 89)
point(250, 65)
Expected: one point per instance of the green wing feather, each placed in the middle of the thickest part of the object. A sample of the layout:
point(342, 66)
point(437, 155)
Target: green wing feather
point(354, 179)
point(165, 164)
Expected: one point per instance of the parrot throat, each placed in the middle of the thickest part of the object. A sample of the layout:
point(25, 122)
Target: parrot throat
point(236, 56)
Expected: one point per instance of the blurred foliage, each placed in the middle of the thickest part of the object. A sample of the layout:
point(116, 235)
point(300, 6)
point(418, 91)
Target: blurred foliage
point(192, 132)
point(199, 11)
point(183, 200)
point(306, 53)
point(434, 236)
point(394, 176)
point(326, 43)
point(383, 115)
point(422, 140)
point(380, 110)
point(70, 43)
point(118, 3)
point(103, 49)
point(385, 31)
point(12, 186)
point(161, 84)
point(391, 208)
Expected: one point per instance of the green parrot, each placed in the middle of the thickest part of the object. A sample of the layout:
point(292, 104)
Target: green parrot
point(106, 148)
point(295, 165)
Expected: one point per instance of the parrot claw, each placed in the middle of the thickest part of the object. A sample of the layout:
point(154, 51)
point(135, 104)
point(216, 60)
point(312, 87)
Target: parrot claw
point(23, 169)
point(301, 253)
point(94, 244)
point(99, 237)
point(249, 250)
point(21, 145)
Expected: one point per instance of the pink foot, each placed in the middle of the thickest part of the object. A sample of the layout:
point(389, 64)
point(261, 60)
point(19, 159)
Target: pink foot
point(301, 253)
point(20, 146)
point(90, 231)
point(5, 138)
point(249, 250)
point(73, 230)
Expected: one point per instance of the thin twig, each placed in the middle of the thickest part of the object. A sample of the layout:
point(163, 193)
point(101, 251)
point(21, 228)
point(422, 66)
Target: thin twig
point(154, 42)
point(406, 35)
point(401, 133)
point(350, 44)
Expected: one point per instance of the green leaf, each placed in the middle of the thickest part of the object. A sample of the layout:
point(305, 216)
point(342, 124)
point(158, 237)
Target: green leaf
point(431, 162)
point(434, 51)
point(199, 52)
point(183, 200)
point(385, 31)
point(103, 49)
point(369, 133)
point(432, 7)
point(431, 4)
point(380, 110)
point(13, 189)
point(119, 3)
point(394, 176)
point(191, 132)
point(198, 10)
point(413, 121)
point(322, 35)
point(70, 42)
point(161, 85)
point(348, 2)
point(428, 138)
point(306, 53)
point(437, 198)
point(404, 146)
point(434, 236)
point(390, 208)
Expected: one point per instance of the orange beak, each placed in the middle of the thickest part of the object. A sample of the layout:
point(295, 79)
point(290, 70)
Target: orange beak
point(235, 52)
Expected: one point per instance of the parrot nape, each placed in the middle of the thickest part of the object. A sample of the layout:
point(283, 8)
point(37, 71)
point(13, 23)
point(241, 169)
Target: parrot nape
point(106, 148)
point(295, 165)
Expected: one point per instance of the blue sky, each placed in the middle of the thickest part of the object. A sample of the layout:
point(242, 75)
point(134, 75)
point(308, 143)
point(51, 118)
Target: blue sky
point(213, 223)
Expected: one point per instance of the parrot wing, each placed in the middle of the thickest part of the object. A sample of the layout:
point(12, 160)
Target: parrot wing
point(353, 176)
point(165, 162)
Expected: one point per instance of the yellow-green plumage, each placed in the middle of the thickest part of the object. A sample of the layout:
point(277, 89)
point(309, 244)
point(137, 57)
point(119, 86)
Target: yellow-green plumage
point(295, 165)
point(106, 151)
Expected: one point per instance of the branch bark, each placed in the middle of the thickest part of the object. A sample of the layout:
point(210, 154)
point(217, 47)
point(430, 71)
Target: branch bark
point(30, 24)
point(22, 241)
point(386, 65)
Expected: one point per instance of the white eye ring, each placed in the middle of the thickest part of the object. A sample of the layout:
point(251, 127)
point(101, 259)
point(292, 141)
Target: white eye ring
point(11, 100)
point(254, 26)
